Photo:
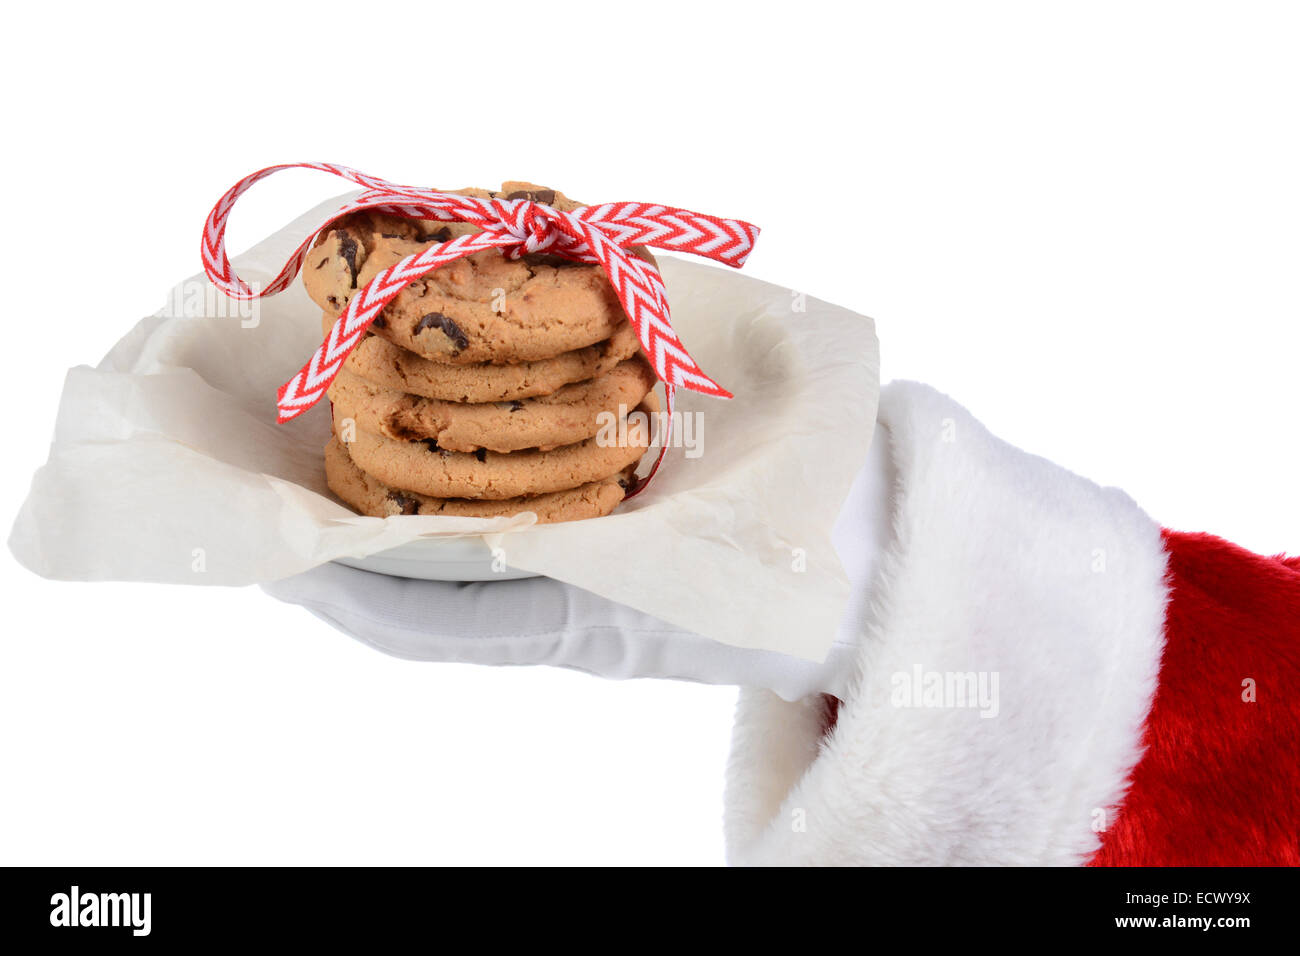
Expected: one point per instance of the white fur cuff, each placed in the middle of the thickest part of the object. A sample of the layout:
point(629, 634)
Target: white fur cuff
point(1008, 664)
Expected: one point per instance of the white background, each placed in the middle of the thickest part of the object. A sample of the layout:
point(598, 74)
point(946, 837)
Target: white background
point(1081, 220)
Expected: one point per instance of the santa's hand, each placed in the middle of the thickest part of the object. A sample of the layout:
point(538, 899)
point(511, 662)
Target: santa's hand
point(543, 621)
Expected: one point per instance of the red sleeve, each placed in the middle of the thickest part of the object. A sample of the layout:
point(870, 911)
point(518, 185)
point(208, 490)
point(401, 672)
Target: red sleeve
point(1219, 782)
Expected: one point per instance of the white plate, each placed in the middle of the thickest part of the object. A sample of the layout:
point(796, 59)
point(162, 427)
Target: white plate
point(465, 558)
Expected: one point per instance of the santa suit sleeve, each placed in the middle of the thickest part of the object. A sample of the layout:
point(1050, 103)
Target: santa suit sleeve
point(1046, 676)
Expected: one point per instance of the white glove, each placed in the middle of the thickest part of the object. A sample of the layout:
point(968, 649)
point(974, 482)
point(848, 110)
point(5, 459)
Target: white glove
point(544, 621)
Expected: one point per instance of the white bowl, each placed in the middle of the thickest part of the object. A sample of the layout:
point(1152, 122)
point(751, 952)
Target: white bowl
point(466, 558)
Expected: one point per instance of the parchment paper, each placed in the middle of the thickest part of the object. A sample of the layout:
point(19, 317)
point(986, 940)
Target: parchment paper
point(167, 464)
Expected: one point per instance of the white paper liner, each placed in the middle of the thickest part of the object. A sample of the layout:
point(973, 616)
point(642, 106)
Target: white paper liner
point(167, 464)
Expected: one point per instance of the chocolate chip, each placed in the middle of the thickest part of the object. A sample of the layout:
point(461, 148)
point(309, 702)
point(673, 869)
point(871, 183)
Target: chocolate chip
point(408, 506)
point(546, 196)
point(391, 235)
point(436, 320)
point(380, 322)
point(555, 262)
point(348, 250)
point(515, 406)
point(432, 443)
point(442, 235)
point(481, 454)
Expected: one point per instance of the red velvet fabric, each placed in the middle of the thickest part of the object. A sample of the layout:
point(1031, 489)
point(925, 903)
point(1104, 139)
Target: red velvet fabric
point(1219, 781)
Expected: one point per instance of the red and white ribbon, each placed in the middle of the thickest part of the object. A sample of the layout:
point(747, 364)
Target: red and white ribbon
point(598, 234)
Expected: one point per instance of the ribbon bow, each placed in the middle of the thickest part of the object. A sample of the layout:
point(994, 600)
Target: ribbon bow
point(596, 234)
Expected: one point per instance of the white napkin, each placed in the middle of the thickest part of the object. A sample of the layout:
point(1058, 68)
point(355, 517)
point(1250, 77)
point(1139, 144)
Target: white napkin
point(544, 621)
point(167, 464)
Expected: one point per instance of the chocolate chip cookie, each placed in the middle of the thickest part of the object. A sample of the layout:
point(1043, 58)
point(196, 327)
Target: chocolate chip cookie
point(570, 414)
point(369, 496)
point(439, 473)
point(379, 361)
point(482, 308)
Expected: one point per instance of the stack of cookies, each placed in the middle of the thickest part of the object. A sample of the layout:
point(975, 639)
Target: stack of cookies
point(486, 388)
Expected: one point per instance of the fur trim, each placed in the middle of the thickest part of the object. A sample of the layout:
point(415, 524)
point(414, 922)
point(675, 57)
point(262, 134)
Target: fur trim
point(1001, 565)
